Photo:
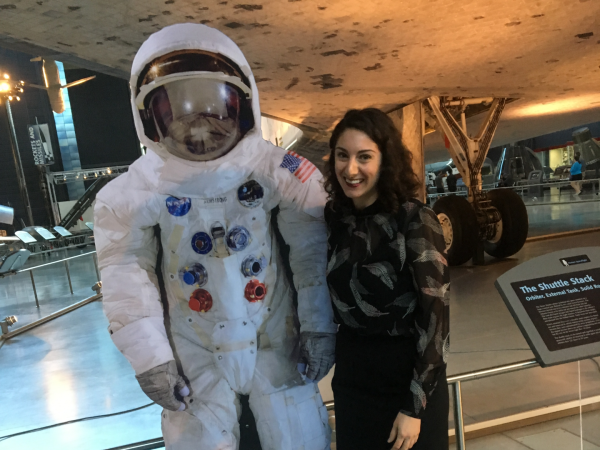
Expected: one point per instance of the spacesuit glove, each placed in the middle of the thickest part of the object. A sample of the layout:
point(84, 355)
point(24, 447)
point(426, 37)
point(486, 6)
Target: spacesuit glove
point(164, 385)
point(318, 351)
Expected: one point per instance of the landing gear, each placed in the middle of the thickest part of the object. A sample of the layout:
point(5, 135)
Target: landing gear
point(460, 228)
point(495, 221)
point(497, 224)
point(511, 231)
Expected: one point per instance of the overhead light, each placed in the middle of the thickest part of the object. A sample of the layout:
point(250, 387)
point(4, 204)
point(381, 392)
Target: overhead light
point(108, 170)
point(18, 99)
point(84, 176)
point(96, 174)
point(555, 106)
point(6, 76)
point(10, 97)
point(4, 87)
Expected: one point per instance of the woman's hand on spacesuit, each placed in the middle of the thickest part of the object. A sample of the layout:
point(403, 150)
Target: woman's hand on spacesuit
point(163, 385)
point(318, 352)
point(405, 431)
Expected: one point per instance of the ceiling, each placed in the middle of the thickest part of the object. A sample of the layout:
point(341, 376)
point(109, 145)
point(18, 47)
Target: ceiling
point(313, 60)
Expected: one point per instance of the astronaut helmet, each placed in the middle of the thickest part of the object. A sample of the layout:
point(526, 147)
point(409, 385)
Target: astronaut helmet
point(196, 103)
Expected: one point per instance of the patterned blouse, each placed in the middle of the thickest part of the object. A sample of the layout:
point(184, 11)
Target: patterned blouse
point(387, 274)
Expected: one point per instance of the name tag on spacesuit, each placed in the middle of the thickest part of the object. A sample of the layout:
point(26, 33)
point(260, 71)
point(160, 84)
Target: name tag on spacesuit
point(213, 201)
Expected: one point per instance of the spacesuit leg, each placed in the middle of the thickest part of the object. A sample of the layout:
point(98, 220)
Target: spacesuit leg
point(210, 421)
point(291, 419)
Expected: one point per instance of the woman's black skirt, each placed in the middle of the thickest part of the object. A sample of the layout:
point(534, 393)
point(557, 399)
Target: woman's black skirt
point(372, 379)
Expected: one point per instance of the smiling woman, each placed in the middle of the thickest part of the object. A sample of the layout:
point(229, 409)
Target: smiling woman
point(388, 280)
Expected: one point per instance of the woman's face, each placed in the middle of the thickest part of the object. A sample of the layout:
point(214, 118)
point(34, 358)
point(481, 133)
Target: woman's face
point(357, 162)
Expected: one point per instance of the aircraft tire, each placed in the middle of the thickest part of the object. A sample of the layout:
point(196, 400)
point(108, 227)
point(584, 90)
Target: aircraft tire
point(459, 224)
point(515, 224)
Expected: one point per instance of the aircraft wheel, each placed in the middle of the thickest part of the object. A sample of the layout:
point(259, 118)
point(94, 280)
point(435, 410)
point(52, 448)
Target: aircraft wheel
point(513, 229)
point(459, 224)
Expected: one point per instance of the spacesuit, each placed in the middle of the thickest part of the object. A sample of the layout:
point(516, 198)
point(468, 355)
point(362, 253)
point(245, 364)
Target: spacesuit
point(200, 203)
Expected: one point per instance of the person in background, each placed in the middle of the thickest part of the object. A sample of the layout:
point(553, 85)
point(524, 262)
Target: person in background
point(451, 181)
point(439, 182)
point(389, 284)
point(576, 175)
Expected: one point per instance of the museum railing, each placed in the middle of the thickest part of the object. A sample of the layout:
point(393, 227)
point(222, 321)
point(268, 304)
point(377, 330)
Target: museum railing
point(590, 188)
point(96, 287)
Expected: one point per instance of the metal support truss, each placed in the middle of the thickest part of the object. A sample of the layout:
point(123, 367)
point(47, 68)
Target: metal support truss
point(69, 176)
point(468, 153)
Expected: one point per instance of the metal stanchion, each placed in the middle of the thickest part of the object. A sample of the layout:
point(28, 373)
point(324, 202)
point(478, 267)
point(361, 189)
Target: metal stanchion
point(18, 163)
point(95, 258)
point(459, 426)
point(37, 303)
point(69, 276)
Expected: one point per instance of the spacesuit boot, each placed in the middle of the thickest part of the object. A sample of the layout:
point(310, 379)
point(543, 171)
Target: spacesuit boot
point(205, 192)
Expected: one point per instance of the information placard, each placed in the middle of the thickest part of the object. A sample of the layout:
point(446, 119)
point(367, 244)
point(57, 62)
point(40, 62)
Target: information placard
point(564, 309)
point(25, 237)
point(45, 233)
point(62, 231)
point(555, 300)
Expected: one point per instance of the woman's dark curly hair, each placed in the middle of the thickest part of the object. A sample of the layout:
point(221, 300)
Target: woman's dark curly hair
point(397, 181)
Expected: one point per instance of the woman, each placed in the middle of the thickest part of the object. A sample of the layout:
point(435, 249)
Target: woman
point(388, 280)
point(576, 175)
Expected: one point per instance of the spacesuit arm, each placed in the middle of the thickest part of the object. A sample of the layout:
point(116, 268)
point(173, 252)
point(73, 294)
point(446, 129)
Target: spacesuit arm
point(303, 228)
point(127, 251)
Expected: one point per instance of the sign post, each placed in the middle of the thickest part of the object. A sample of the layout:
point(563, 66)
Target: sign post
point(18, 163)
point(43, 155)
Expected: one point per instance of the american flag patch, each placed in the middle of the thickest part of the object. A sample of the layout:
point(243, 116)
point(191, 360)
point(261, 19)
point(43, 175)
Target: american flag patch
point(301, 167)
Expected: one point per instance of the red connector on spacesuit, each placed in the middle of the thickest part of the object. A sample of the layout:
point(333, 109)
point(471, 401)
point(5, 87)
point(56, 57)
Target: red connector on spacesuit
point(200, 301)
point(255, 291)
